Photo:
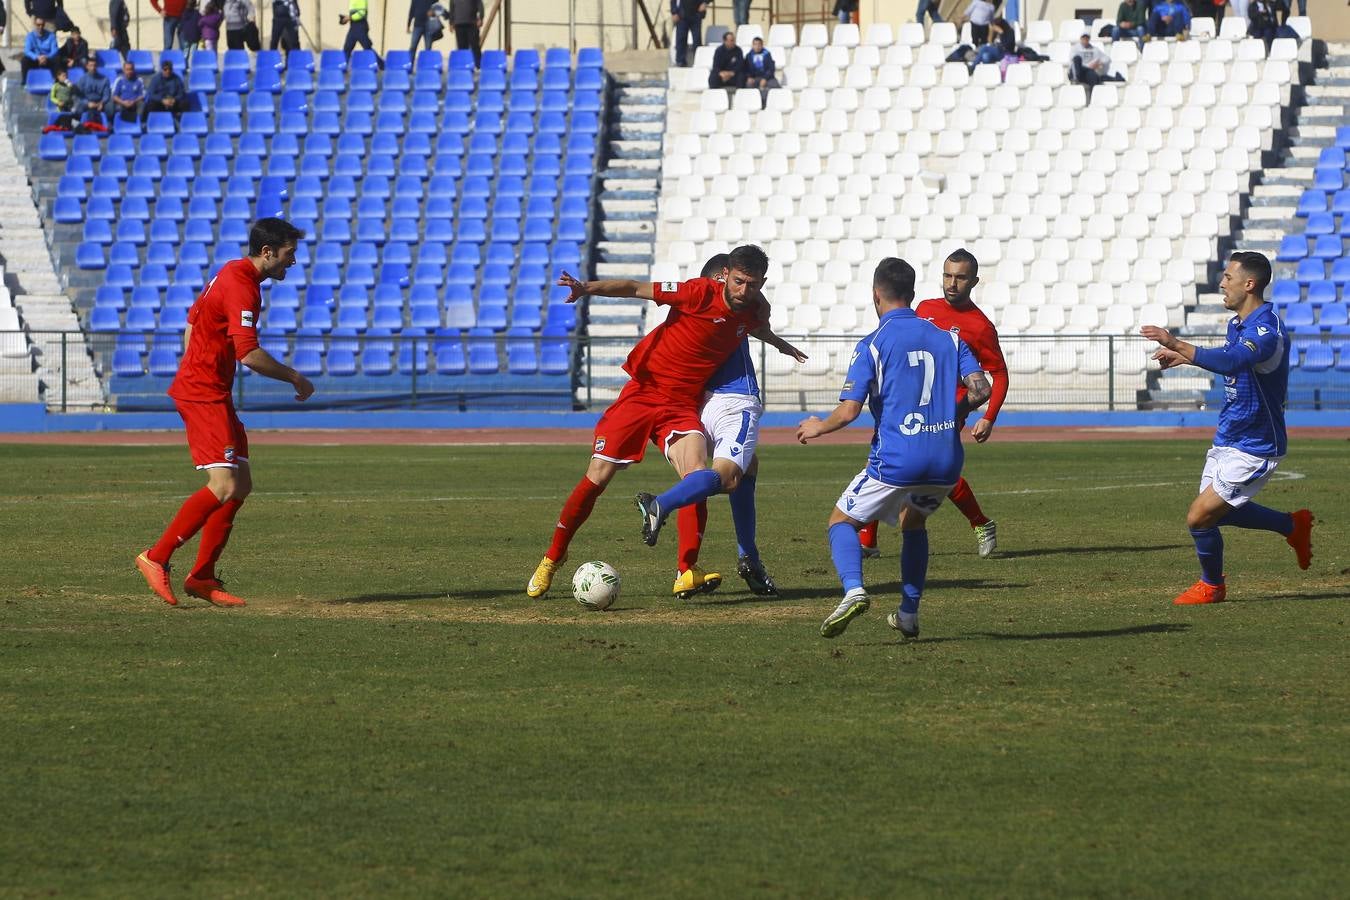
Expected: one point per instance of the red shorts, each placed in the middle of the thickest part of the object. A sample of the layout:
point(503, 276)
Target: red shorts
point(639, 415)
point(216, 437)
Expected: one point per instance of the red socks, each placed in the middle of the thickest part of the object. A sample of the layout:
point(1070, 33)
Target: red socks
point(574, 513)
point(868, 534)
point(692, 520)
point(192, 515)
point(215, 535)
point(964, 498)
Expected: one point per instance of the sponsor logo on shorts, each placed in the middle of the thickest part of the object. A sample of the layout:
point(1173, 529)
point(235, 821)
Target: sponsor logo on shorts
point(849, 503)
point(246, 318)
point(735, 448)
point(229, 453)
point(599, 445)
point(670, 287)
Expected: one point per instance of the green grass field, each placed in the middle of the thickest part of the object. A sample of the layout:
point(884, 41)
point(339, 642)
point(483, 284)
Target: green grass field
point(391, 715)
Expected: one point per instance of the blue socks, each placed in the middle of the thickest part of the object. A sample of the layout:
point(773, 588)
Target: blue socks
point(1209, 549)
point(743, 517)
point(691, 488)
point(1262, 518)
point(846, 551)
point(913, 568)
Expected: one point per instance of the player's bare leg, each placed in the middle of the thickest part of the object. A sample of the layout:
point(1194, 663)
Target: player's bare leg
point(576, 510)
point(230, 486)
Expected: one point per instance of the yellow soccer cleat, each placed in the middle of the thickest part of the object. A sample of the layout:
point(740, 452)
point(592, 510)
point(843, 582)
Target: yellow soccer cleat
point(695, 581)
point(542, 579)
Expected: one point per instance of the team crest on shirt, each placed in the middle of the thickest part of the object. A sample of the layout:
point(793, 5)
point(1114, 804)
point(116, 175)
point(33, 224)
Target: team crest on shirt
point(246, 318)
point(229, 453)
point(599, 445)
point(1262, 330)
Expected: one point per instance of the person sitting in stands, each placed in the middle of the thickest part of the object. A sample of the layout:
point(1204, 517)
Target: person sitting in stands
point(728, 61)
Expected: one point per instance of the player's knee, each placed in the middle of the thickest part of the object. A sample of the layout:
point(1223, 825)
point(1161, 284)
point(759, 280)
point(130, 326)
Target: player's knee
point(602, 471)
point(729, 472)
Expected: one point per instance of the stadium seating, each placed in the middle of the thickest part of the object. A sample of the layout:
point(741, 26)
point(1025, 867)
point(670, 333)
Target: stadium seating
point(431, 199)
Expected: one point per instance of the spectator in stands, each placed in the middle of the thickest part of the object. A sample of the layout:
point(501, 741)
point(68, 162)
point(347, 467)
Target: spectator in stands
point(4, 20)
point(759, 69)
point(688, 18)
point(210, 23)
point(285, 25)
point(357, 20)
point(728, 63)
point(1130, 21)
point(172, 11)
point(928, 8)
point(419, 24)
point(979, 14)
point(740, 12)
point(1090, 65)
point(1263, 20)
point(93, 96)
point(53, 11)
point(467, 17)
point(119, 21)
point(1170, 18)
point(847, 11)
point(189, 30)
point(62, 96)
point(1002, 43)
point(166, 92)
point(74, 51)
point(241, 25)
point(39, 49)
point(1213, 8)
point(127, 93)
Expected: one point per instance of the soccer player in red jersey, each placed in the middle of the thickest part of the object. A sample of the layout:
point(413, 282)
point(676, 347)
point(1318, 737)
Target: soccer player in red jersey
point(222, 330)
point(955, 311)
point(668, 370)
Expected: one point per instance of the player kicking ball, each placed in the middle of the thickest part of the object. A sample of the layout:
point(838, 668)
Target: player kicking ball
point(222, 330)
point(732, 408)
point(668, 370)
point(1250, 440)
point(957, 313)
point(907, 371)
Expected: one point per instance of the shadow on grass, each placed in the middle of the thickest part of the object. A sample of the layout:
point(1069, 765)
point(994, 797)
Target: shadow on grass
point(1131, 631)
point(482, 594)
point(1295, 598)
point(1056, 551)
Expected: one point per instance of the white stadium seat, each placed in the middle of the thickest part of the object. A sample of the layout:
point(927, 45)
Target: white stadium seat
point(879, 35)
point(781, 35)
point(814, 34)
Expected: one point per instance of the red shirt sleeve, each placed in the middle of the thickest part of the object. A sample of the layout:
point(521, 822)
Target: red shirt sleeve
point(688, 295)
point(241, 306)
point(990, 357)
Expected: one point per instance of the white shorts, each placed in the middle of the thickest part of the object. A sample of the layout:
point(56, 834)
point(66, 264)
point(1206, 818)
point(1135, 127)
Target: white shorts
point(867, 499)
point(1236, 476)
point(732, 423)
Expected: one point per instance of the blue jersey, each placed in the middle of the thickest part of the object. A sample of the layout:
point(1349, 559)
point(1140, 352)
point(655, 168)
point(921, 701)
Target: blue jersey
point(908, 371)
point(1254, 363)
point(736, 375)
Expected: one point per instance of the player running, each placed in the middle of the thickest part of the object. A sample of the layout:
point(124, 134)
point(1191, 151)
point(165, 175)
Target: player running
point(732, 408)
point(1250, 440)
point(908, 371)
point(668, 368)
point(956, 312)
point(221, 330)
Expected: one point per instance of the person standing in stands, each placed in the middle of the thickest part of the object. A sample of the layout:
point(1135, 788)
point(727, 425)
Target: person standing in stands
point(222, 332)
point(172, 11)
point(241, 26)
point(285, 25)
point(358, 29)
point(979, 14)
point(119, 20)
point(728, 63)
point(740, 12)
point(688, 18)
point(846, 11)
point(210, 23)
point(127, 93)
point(467, 18)
point(189, 30)
point(419, 11)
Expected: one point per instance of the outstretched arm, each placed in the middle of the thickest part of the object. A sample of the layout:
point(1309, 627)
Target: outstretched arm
point(843, 415)
point(765, 334)
point(579, 289)
point(1221, 360)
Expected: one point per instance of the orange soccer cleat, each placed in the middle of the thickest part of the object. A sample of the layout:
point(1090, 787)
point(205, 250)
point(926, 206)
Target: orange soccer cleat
point(1301, 537)
point(157, 576)
point(1201, 592)
point(211, 590)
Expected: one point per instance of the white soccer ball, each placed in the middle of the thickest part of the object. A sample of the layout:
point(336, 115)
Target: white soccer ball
point(595, 585)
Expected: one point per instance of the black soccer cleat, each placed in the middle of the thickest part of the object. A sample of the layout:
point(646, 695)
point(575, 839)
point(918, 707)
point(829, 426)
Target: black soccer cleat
point(652, 518)
point(756, 578)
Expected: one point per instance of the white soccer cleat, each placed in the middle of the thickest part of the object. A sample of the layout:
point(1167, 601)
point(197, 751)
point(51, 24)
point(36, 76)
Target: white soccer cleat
point(854, 604)
point(905, 623)
point(986, 536)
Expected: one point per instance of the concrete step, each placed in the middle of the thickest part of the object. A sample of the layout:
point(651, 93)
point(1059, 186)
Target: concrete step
point(1267, 214)
point(634, 148)
point(628, 209)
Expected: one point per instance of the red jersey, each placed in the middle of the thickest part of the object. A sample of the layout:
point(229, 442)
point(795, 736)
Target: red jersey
point(700, 333)
point(974, 328)
point(224, 324)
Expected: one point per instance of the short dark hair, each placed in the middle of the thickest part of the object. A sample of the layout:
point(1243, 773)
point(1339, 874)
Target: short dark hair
point(715, 264)
point(894, 280)
point(749, 259)
point(1254, 264)
point(962, 255)
point(274, 233)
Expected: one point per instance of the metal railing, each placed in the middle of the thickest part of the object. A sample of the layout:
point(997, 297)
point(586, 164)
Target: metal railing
point(1059, 372)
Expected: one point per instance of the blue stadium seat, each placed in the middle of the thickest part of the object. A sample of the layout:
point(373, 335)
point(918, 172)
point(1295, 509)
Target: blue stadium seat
point(1328, 179)
point(341, 362)
point(463, 60)
point(140, 318)
point(163, 362)
point(38, 82)
point(89, 256)
point(1317, 358)
point(1333, 315)
point(413, 355)
point(521, 355)
point(527, 315)
point(364, 59)
point(107, 297)
point(307, 362)
point(1326, 246)
point(449, 352)
point(1321, 292)
point(51, 146)
point(126, 363)
point(555, 351)
point(483, 358)
point(104, 318)
point(375, 361)
point(1298, 316)
point(590, 58)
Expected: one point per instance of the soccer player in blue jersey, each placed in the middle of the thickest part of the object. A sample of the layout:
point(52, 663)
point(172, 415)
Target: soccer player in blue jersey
point(732, 407)
point(907, 371)
point(1250, 440)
